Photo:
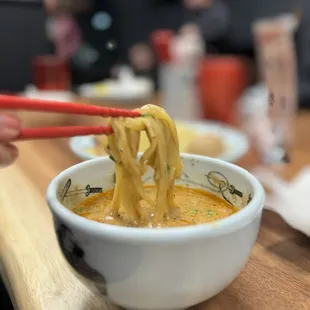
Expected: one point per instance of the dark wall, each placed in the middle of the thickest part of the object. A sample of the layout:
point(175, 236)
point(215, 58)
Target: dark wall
point(22, 36)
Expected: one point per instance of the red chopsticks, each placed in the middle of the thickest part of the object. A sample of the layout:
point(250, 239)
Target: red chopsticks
point(19, 103)
point(62, 132)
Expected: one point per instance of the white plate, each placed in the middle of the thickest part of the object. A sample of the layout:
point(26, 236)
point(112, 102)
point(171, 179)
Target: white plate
point(116, 93)
point(236, 143)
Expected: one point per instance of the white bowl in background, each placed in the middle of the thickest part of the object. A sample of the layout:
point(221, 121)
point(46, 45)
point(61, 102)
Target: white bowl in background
point(236, 144)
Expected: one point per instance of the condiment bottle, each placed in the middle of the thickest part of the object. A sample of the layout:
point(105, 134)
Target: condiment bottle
point(161, 40)
point(178, 57)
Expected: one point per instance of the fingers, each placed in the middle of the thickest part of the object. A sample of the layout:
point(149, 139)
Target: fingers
point(9, 128)
point(8, 154)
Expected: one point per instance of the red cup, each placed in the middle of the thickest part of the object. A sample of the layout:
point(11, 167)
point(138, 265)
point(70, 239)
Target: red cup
point(51, 73)
point(221, 82)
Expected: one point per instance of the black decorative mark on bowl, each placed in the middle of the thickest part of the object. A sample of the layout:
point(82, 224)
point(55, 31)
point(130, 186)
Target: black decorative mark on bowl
point(75, 256)
point(65, 190)
point(249, 199)
point(87, 190)
point(220, 184)
point(185, 175)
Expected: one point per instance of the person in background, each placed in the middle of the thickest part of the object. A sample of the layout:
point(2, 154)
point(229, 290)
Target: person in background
point(96, 35)
point(211, 17)
point(9, 130)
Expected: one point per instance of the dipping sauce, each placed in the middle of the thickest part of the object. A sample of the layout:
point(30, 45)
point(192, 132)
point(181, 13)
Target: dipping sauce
point(194, 206)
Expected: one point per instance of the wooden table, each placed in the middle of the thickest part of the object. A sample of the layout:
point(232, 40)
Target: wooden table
point(277, 275)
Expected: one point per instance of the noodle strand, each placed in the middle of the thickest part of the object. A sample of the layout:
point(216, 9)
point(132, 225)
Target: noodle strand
point(162, 155)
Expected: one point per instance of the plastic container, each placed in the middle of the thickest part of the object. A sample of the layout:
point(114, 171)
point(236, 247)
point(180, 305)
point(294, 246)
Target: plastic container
point(178, 56)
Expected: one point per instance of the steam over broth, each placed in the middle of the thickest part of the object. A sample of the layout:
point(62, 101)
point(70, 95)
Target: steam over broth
point(192, 207)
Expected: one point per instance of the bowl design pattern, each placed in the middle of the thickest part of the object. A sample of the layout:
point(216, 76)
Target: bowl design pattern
point(74, 254)
point(220, 184)
point(215, 182)
point(88, 190)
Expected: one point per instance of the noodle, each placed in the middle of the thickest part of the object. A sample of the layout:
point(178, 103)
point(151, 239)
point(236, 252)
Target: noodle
point(162, 155)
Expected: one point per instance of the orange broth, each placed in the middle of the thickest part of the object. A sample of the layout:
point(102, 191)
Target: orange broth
point(194, 206)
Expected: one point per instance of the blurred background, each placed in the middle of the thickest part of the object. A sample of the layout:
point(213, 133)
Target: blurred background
point(202, 60)
point(96, 36)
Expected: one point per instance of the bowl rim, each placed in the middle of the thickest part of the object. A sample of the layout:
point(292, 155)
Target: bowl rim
point(223, 226)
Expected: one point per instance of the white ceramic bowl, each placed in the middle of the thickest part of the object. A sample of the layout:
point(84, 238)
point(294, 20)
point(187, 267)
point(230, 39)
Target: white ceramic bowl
point(171, 268)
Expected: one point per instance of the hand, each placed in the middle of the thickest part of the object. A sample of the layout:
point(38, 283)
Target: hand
point(9, 129)
point(141, 57)
point(197, 4)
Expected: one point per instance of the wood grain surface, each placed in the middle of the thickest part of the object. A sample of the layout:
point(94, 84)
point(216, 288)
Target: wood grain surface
point(277, 275)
